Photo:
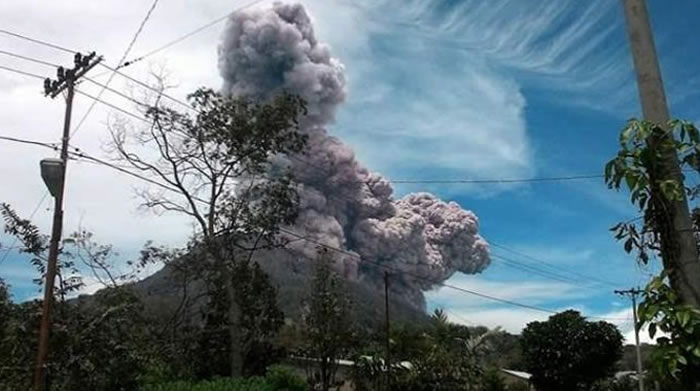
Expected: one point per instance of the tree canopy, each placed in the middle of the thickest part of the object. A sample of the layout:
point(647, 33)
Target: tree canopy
point(567, 352)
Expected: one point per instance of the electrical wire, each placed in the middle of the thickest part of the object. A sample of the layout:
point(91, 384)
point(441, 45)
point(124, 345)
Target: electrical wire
point(110, 89)
point(539, 272)
point(109, 80)
point(96, 99)
point(145, 85)
point(22, 72)
point(548, 264)
point(83, 155)
point(506, 261)
point(37, 41)
point(53, 146)
point(185, 36)
point(399, 181)
point(26, 58)
point(306, 238)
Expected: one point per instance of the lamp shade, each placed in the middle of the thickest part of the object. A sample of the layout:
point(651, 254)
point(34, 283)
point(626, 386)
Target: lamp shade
point(52, 174)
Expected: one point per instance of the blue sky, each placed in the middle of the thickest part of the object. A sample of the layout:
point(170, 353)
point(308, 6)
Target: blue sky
point(438, 89)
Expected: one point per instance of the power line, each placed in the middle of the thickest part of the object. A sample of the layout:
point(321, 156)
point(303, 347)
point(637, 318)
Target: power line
point(306, 238)
point(353, 255)
point(539, 272)
point(34, 60)
point(500, 181)
point(30, 142)
point(299, 159)
point(442, 284)
point(548, 264)
point(94, 160)
point(109, 80)
point(110, 89)
point(459, 181)
point(185, 36)
point(22, 72)
point(399, 181)
point(37, 41)
point(145, 85)
point(96, 99)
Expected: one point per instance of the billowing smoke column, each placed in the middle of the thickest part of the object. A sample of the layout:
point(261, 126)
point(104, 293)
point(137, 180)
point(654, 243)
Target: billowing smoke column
point(343, 204)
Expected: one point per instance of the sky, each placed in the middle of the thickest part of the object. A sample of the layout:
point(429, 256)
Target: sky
point(438, 89)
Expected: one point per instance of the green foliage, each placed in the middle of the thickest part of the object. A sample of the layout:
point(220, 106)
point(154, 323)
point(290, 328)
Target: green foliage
point(277, 379)
point(678, 350)
point(283, 378)
point(622, 384)
point(643, 146)
point(100, 346)
point(442, 356)
point(569, 353)
point(520, 386)
point(259, 320)
point(327, 326)
point(248, 384)
point(493, 381)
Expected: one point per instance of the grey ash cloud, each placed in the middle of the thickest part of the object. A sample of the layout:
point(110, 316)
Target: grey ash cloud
point(263, 52)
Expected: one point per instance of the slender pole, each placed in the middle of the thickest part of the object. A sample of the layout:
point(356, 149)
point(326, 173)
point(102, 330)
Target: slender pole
point(43, 350)
point(388, 329)
point(66, 82)
point(633, 294)
point(640, 373)
point(679, 252)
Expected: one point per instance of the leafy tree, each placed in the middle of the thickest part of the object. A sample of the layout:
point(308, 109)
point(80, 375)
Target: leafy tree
point(260, 320)
point(442, 356)
point(567, 352)
point(670, 300)
point(100, 344)
point(215, 168)
point(328, 329)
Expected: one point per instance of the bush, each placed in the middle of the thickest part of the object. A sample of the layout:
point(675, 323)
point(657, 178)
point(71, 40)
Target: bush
point(283, 379)
point(492, 381)
point(250, 384)
point(518, 387)
point(278, 378)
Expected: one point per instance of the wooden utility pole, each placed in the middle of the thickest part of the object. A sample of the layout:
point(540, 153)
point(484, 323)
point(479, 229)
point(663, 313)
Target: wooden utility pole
point(678, 247)
point(632, 293)
point(66, 81)
point(388, 330)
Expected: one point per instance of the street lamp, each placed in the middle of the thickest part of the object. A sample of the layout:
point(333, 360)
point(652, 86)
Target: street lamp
point(52, 172)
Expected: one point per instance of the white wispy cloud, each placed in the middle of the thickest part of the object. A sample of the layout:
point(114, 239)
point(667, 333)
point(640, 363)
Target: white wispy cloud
point(571, 46)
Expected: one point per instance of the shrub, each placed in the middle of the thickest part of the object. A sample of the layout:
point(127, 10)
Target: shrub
point(282, 378)
point(249, 384)
point(278, 378)
point(492, 381)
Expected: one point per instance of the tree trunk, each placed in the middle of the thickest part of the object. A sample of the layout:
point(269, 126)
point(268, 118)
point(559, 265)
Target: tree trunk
point(324, 374)
point(234, 329)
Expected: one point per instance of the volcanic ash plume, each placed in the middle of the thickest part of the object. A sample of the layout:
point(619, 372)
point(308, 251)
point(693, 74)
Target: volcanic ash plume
point(343, 204)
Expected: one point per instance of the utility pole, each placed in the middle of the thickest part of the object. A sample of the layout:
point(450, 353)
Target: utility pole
point(632, 293)
point(679, 254)
point(388, 329)
point(66, 79)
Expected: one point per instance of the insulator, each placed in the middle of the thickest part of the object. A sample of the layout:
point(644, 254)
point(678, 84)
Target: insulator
point(61, 73)
point(78, 60)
